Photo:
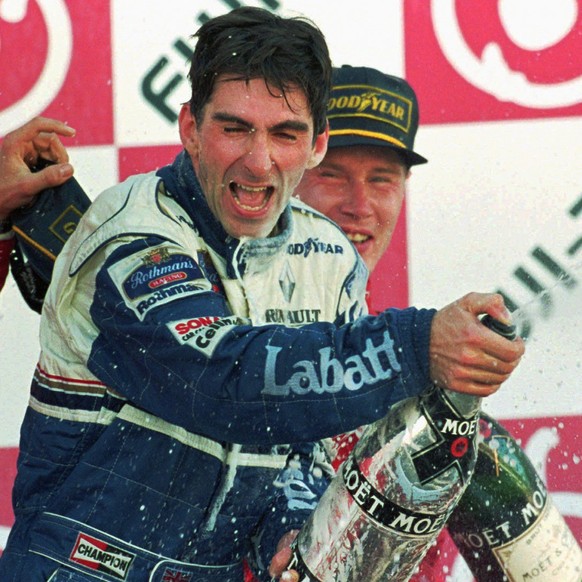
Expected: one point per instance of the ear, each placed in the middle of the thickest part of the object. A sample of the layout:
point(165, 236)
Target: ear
point(188, 130)
point(319, 148)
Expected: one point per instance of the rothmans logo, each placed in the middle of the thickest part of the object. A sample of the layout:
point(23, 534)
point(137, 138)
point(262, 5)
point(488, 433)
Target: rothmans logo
point(156, 256)
point(367, 101)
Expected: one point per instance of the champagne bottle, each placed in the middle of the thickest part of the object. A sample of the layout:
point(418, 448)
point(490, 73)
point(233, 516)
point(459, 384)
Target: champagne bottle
point(395, 491)
point(393, 494)
point(506, 525)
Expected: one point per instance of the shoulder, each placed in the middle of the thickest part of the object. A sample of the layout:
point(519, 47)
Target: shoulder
point(131, 191)
point(135, 208)
point(300, 208)
point(319, 230)
point(306, 217)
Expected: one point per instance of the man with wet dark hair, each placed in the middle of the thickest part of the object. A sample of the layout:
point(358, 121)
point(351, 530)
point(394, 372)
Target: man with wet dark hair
point(247, 54)
point(198, 321)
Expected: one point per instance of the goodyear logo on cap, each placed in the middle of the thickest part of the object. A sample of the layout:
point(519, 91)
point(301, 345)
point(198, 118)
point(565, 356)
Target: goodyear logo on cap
point(371, 102)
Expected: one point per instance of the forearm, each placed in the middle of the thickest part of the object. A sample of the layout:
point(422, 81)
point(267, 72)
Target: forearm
point(216, 374)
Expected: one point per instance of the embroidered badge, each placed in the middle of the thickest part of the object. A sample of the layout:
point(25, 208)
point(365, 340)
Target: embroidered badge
point(101, 556)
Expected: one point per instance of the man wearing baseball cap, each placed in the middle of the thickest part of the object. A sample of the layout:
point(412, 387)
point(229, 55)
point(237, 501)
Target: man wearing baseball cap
point(361, 182)
point(367, 107)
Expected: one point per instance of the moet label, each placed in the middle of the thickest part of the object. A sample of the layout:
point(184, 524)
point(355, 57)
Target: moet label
point(546, 552)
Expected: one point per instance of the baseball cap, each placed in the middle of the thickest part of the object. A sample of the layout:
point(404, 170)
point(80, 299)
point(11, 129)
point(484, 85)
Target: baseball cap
point(368, 107)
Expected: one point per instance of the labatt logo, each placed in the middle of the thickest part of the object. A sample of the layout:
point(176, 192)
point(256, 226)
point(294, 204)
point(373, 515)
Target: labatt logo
point(375, 363)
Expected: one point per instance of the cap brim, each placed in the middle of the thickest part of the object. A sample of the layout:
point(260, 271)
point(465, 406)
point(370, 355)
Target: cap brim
point(338, 141)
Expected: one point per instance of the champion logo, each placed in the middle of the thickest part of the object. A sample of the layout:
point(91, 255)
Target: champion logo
point(494, 63)
point(101, 556)
point(60, 39)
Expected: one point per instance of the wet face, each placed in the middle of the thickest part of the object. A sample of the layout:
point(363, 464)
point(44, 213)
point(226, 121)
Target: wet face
point(361, 188)
point(250, 152)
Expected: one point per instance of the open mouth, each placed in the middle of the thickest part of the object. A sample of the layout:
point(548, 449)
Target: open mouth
point(249, 198)
point(358, 237)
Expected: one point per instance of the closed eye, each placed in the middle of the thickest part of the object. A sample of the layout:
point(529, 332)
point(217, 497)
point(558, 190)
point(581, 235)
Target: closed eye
point(236, 129)
point(285, 136)
point(329, 174)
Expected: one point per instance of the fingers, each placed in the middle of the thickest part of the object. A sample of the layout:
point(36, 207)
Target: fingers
point(39, 138)
point(279, 562)
point(465, 355)
point(39, 125)
point(51, 176)
point(46, 146)
point(21, 150)
point(491, 303)
point(290, 576)
point(469, 379)
point(500, 349)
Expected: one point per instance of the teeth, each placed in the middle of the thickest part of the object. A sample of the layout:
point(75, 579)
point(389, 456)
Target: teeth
point(251, 189)
point(246, 207)
point(357, 237)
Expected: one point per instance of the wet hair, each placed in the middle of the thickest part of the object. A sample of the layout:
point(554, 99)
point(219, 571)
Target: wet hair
point(251, 43)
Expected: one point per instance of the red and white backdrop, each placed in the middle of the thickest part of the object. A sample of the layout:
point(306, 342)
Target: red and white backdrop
point(498, 207)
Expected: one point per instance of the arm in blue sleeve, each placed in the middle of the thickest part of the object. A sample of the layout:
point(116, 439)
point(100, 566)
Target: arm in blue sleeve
point(299, 487)
point(179, 353)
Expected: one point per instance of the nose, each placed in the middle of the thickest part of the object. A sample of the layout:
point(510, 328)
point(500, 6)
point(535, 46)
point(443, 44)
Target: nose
point(258, 159)
point(356, 200)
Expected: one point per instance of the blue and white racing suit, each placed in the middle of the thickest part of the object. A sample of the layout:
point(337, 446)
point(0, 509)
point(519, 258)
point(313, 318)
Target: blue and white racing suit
point(184, 382)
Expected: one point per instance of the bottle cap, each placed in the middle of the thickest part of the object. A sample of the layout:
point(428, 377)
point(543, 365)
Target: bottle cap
point(507, 331)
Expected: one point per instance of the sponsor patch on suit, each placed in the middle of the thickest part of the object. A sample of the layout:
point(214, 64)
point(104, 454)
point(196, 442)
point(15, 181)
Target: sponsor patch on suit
point(101, 556)
point(157, 276)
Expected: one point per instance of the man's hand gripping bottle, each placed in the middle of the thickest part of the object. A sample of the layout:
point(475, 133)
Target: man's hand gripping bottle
point(394, 493)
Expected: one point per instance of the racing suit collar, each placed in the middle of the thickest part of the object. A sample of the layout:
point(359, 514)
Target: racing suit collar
point(183, 185)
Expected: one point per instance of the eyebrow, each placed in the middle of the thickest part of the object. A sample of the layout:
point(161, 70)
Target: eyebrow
point(289, 124)
point(381, 169)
